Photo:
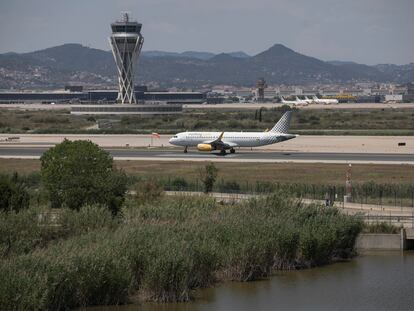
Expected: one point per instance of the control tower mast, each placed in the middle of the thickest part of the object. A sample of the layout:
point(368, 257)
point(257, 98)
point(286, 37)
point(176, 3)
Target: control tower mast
point(261, 85)
point(126, 42)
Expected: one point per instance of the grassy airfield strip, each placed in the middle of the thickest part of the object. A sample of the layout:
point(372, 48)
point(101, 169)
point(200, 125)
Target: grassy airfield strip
point(385, 121)
point(250, 172)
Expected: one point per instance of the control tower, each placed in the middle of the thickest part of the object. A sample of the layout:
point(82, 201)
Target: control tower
point(126, 42)
point(261, 85)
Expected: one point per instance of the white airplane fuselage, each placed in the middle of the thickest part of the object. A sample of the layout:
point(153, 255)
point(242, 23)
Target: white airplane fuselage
point(325, 101)
point(233, 139)
point(297, 102)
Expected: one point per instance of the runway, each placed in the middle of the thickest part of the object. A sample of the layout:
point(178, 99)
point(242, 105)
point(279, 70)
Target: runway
point(239, 156)
point(301, 144)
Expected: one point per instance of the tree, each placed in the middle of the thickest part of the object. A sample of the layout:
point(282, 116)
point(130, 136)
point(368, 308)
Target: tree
point(77, 173)
point(208, 176)
point(13, 194)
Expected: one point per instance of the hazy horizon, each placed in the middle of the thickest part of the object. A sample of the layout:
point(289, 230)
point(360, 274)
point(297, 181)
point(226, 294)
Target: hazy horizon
point(366, 31)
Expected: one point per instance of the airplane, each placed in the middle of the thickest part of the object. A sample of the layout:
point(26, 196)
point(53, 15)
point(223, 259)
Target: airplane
point(309, 100)
point(302, 101)
point(222, 141)
point(325, 101)
point(296, 102)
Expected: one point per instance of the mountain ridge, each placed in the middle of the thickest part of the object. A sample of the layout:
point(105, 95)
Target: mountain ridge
point(278, 65)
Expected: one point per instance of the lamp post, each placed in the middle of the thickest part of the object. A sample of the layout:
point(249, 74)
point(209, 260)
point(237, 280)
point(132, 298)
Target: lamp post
point(348, 185)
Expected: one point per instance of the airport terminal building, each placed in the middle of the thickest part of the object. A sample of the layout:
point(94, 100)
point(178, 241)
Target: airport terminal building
point(99, 97)
point(104, 101)
point(126, 42)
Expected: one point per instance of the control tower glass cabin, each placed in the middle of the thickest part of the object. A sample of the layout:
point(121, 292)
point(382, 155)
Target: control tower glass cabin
point(126, 43)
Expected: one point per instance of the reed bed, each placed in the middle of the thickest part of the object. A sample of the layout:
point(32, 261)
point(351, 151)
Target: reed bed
point(161, 250)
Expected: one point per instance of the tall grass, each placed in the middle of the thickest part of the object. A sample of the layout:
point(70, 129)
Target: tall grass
point(381, 227)
point(318, 121)
point(27, 230)
point(164, 249)
point(78, 272)
point(367, 192)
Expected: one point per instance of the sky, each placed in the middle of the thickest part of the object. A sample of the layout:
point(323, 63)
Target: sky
point(364, 31)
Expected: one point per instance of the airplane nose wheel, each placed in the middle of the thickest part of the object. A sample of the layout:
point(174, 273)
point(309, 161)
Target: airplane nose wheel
point(232, 150)
point(185, 149)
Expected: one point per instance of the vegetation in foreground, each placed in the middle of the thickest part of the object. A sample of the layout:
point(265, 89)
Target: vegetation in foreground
point(161, 249)
point(385, 121)
point(372, 184)
point(93, 249)
point(251, 172)
point(76, 173)
point(381, 227)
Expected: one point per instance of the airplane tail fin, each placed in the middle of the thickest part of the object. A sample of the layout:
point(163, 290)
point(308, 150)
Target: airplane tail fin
point(282, 126)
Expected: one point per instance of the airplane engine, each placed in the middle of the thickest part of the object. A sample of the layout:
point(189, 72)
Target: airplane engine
point(204, 147)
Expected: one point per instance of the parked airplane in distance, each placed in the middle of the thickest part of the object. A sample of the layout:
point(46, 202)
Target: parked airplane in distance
point(297, 102)
point(325, 101)
point(222, 141)
point(309, 100)
point(302, 101)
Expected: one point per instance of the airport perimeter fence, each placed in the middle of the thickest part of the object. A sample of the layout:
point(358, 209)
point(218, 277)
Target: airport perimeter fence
point(365, 193)
point(397, 195)
point(406, 221)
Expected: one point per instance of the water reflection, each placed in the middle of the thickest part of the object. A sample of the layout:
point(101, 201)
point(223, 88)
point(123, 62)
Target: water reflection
point(373, 281)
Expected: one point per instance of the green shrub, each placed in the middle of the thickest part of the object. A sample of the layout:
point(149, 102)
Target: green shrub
point(13, 194)
point(179, 184)
point(208, 176)
point(79, 173)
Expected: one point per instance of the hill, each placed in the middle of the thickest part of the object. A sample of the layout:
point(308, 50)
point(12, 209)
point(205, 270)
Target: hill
point(57, 66)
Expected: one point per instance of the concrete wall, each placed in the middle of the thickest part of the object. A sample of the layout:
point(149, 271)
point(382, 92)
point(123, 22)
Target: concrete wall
point(378, 241)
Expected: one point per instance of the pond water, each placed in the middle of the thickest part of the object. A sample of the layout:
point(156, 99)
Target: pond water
point(372, 281)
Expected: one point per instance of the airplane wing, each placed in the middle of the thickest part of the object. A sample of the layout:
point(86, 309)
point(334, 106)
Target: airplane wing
point(220, 144)
point(217, 140)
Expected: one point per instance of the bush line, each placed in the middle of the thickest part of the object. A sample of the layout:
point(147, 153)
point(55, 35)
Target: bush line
point(162, 249)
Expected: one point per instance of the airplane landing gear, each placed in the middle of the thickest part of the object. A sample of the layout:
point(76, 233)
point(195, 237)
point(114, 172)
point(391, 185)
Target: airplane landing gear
point(185, 149)
point(232, 150)
point(223, 152)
